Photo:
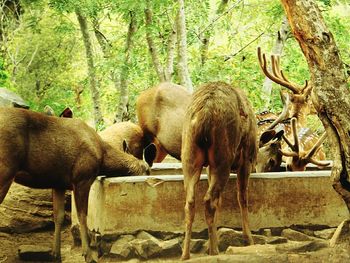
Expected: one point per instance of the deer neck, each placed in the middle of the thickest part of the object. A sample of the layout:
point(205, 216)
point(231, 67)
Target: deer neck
point(116, 162)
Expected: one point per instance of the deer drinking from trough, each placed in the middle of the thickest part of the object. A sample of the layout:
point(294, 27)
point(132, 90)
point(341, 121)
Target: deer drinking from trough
point(160, 112)
point(42, 151)
point(307, 147)
point(219, 131)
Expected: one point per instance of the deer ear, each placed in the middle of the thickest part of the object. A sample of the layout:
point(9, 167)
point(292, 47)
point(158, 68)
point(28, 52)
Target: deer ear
point(67, 113)
point(49, 111)
point(279, 135)
point(266, 137)
point(126, 147)
point(150, 153)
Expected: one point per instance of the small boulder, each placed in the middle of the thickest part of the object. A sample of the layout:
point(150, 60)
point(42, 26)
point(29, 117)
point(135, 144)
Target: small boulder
point(34, 253)
point(325, 233)
point(196, 245)
point(170, 248)
point(300, 247)
point(276, 240)
point(122, 247)
point(146, 248)
point(295, 235)
point(251, 250)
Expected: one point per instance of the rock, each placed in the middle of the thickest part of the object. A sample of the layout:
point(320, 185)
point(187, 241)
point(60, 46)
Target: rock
point(295, 235)
point(34, 253)
point(259, 239)
point(276, 240)
point(170, 248)
point(229, 237)
point(325, 233)
point(145, 235)
point(146, 249)
point(26, 210)
point(196, 245)
point(254, 249)
point(267, 232)
point(300, 247)
point(341, 236)
point(122, 247)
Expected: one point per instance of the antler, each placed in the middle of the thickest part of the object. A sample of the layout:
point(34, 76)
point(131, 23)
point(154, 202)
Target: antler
point(294, 147)
point(315, 149)
point(277, 74)
point(301, 159)
point(284, 114)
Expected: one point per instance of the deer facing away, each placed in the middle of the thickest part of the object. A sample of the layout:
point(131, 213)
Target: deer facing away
point(42, 151)
point(219, 131)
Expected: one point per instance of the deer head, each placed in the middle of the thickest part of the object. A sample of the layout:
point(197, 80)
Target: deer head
point(300, 102)
point(270, 141)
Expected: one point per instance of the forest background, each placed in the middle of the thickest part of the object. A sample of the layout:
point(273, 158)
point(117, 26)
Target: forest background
point(101, 54)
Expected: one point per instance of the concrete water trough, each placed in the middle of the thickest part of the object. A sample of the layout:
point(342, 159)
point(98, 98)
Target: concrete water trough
point(126, 204)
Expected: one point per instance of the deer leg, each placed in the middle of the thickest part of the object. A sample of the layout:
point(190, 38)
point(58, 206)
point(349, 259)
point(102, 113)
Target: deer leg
point(58, 215)
point(212, 198)
point(242, 196)
point(6, 179)
point(191, 178)
point(81, 197)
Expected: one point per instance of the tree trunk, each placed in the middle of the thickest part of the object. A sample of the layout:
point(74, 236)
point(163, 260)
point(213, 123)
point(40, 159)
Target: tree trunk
point(169, 69)
point(330, 94)
point(184, 74)
point(151, 46)
point(91, 69)
point(123, 111)
point(282, 36)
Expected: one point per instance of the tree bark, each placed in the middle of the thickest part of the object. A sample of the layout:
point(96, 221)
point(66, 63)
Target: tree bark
point(330, 93)
point(151, 46)
point(282, 36)
point(169, 68)
point(123, 110)
point(184, 75)
point(98, 119)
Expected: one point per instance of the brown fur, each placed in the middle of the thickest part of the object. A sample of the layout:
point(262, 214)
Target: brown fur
point(126, 131)
point(219, 131)
point(160, 112)
point(42, 151)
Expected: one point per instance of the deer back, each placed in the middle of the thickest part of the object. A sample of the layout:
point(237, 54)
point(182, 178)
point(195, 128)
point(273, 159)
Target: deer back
point(160, 112)
point(221, 118)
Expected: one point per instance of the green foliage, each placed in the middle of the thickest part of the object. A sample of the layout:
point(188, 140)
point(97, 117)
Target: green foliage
point(48, 65)
point(4, 76)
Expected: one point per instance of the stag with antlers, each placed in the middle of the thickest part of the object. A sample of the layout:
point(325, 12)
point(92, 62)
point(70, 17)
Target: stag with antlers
point(307, 145)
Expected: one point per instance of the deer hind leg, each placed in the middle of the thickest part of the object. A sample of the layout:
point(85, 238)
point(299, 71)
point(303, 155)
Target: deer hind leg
point(192, 172)
point(58, 197)
point(81, 198)
point(212, 199)
point(6, 178)
point(242, 196)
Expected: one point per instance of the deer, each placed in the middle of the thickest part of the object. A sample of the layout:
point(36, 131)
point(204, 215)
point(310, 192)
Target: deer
point(125, 136)
point(160, 111)
point(220, 132)
point(44, 152)
point(300, 106)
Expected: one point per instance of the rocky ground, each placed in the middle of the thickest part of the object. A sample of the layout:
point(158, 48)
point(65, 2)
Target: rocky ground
point(26, 219)
point(288, 245)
